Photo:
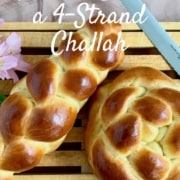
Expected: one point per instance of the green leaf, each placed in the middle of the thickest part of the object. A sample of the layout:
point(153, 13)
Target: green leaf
point(2, 98)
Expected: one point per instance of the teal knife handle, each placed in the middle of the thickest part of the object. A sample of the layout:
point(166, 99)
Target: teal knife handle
point(156, 33)
point(151, 25)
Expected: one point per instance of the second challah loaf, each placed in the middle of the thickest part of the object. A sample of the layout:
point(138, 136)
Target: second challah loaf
point(42, 107)
point(133, 132)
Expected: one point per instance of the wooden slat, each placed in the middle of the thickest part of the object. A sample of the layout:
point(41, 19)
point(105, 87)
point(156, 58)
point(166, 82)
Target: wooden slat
point(34, 39)
point(15, 26)
point(169, 26)
point(36, 42)
point(75, 135)
point(29, 26)
point(130, 60)
point(65, 158)
point(5, 86)
point(156, 61)
point(140, 40)
point(44, 39)
point(33, 59)
point(56, 177)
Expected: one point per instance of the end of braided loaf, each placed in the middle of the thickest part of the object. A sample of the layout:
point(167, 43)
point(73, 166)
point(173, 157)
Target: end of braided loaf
point(43, 106)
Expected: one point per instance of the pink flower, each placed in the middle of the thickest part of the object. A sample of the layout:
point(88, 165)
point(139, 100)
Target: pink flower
point(3, 49)
point(11, 59)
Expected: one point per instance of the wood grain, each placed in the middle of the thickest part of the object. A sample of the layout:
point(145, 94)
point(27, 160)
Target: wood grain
point(69, 161)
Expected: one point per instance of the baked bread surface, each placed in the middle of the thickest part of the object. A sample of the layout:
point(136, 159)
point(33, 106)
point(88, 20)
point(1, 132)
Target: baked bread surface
point(43, 106)
point(133, 130)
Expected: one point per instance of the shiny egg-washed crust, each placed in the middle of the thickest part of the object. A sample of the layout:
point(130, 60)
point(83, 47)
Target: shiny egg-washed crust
point(133, 131)
point(42, 107)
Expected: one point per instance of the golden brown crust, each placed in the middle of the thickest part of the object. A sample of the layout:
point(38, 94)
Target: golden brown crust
point(14, 113)
point(106, 59)
point(125, 135)
point(41, 80)
point(171, 96)
point(19, 156)
point(51, 122)
point(150, 165)
point(136, 116)
point(69, 56)
point(106, 166)
point(80, 83)
point(42, 107)
point(116, 102)
point(153, 110)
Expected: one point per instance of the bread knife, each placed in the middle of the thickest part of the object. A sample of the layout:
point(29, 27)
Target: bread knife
point(156, 34)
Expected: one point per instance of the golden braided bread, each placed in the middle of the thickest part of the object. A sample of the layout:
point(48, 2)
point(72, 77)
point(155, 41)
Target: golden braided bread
point(133, 132)
point(42, 107)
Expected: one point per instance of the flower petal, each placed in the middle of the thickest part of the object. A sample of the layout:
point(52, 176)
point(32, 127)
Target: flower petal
point(8, 62)
point(4, 75)
point(14, 43)
point(3, 49)
point(21, 64)
point(13, 75)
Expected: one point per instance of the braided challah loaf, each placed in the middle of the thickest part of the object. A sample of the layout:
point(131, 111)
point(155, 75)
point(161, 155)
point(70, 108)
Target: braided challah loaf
point(42, 107)
point(133, 132)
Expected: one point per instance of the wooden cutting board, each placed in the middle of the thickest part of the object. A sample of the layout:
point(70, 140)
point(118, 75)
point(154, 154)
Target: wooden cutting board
point(69, 161)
